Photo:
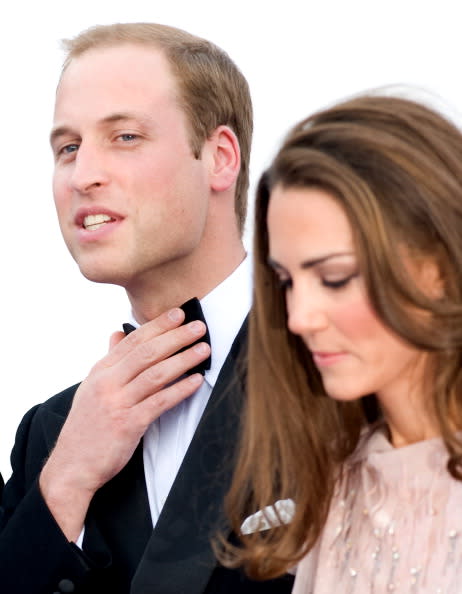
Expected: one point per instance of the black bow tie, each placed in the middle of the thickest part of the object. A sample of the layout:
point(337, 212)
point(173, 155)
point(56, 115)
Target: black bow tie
point(192, 311)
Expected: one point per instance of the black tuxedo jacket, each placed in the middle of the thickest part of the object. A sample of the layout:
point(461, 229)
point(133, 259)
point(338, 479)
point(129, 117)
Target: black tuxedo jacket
point(122, 553)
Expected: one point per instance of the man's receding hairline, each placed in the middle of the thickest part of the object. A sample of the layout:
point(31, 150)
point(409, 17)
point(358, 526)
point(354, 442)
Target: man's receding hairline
point(112, 44)
point(109, 44)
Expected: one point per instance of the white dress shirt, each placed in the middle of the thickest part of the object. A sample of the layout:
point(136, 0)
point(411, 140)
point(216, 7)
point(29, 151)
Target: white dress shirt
point(167, 439)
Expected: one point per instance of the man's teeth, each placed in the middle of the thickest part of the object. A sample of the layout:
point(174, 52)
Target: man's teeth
point(93, 222)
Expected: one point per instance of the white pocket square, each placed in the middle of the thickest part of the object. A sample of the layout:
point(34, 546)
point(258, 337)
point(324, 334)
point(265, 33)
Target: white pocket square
point(271, 516)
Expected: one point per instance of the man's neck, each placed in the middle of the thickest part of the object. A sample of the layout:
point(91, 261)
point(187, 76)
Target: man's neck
point(152, 296)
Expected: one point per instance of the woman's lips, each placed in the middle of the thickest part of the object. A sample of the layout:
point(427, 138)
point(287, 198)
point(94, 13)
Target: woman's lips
point(325, 359)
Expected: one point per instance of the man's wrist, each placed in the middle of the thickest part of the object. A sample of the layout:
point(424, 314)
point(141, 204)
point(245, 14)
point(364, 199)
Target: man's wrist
point(67, 504)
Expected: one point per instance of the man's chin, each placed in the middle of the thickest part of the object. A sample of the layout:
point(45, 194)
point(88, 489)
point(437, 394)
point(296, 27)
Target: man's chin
point(97, 275)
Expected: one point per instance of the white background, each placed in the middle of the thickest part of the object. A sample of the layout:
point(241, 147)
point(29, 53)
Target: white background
point(298, 56)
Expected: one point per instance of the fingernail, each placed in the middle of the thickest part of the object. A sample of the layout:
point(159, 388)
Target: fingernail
point(196, 327)
point(195, 378)
point(201, 348)
point(175, 314)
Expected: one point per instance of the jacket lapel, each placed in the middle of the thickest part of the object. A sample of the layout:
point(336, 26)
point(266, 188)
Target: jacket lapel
point(178, 558)
point(119, 518)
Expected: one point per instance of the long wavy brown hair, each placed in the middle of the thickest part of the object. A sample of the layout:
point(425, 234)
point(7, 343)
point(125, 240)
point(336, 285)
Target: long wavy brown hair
point(395, 166)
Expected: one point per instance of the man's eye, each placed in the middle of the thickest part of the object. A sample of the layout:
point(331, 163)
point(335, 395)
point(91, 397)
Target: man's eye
point(69, 148)
point(128, 137)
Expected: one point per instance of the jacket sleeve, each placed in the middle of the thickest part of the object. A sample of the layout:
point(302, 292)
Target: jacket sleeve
point(35, 556)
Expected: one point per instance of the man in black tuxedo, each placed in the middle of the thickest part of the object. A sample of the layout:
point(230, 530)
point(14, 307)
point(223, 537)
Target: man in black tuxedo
point(118, 483)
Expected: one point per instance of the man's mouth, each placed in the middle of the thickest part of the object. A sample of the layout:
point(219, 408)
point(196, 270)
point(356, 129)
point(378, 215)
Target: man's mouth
point(95, 221)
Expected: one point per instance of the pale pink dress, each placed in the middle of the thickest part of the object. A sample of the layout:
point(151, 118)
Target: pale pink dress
point(395, 525)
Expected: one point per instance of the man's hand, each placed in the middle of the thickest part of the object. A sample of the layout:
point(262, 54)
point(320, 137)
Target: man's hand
point(124, 392)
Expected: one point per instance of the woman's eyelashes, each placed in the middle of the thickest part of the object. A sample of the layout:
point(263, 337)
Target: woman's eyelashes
point(285, 282)
point(338, 283)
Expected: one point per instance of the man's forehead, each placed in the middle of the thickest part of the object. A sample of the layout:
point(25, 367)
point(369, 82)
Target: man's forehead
point(122, 63)
point(118, 76)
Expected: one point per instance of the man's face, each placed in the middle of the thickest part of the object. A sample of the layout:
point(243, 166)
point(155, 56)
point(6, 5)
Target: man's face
point(131, 198)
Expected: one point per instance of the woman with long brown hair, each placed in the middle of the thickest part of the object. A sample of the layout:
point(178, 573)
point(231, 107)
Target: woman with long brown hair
point(355, 358)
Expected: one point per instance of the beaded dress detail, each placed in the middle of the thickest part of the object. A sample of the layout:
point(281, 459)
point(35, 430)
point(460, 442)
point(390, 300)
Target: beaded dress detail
point(394, 525)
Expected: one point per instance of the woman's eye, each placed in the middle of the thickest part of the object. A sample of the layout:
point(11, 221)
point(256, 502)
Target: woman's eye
point(338, 283)
point(284, 283)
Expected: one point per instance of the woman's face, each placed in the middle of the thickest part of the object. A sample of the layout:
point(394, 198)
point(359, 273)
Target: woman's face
point(312, 252)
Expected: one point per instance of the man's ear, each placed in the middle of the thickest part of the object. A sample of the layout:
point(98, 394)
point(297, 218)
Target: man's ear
point(226, 158)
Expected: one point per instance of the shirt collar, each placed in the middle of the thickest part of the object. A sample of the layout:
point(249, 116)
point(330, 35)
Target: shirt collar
point(225, 309)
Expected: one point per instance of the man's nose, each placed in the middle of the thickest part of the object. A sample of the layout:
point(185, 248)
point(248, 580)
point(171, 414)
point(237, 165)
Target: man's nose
point(89, 170)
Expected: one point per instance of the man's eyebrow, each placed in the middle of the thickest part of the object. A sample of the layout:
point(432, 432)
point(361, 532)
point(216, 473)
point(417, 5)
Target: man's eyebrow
point(58, 132)
point(115, 117)
point(110, 119)
point(124, 116)
point(314, 262)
